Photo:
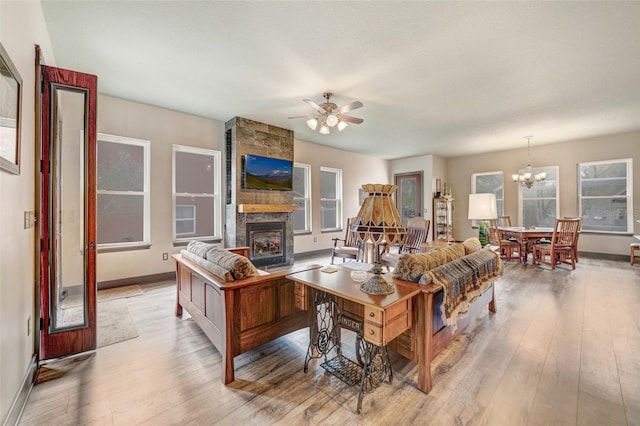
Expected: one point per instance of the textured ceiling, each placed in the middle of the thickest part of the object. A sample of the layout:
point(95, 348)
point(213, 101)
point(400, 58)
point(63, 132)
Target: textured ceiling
point(444, 78)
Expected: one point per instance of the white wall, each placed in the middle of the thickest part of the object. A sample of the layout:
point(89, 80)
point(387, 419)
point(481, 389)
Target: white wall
point(163, 128)
point(21, 26)
point(566, 155)
point(357, 169)
point(432, 167)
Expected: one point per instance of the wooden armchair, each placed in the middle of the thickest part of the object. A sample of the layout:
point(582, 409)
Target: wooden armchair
point(508, 249)
point(562, 247)
point(347, 247)
point(417, 232)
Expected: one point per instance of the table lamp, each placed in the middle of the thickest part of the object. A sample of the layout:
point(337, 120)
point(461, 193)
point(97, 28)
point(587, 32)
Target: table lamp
point(482, 207)
point(378, 221)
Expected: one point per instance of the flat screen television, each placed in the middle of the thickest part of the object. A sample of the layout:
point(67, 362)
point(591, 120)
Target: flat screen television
point(267, 173)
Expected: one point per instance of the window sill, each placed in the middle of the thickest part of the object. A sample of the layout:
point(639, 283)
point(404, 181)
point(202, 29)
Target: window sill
point(329, 231)
point(113, 249)
point(183, 243)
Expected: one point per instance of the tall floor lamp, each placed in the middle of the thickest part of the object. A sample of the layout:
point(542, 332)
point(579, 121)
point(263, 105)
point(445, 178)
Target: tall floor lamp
point(482, 207)
point(378, 221)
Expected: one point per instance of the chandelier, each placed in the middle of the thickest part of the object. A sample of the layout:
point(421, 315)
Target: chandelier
point(529, 178)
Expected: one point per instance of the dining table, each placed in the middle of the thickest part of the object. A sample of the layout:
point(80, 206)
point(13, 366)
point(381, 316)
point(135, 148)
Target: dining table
point(526, 236)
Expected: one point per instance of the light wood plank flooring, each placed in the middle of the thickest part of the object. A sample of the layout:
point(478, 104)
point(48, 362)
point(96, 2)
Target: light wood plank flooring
point(563, 349)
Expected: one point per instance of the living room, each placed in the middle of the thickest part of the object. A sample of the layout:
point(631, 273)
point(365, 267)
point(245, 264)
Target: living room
point(23, 25)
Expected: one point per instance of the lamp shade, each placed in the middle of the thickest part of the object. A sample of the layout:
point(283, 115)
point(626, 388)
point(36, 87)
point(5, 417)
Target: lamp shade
point(482, 206)
point(378, 219)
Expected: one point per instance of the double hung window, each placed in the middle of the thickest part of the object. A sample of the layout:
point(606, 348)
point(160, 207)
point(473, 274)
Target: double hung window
point(492, 183)
point(539, 206)
point(196, 194)
point(330, 199)
point(122, 192)
point(302, 198)
point(605, 196)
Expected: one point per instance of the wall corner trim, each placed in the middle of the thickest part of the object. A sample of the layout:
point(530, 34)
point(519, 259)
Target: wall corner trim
point(22, 396)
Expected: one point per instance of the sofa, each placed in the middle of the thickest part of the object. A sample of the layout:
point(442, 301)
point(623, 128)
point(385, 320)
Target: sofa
point(237, 306)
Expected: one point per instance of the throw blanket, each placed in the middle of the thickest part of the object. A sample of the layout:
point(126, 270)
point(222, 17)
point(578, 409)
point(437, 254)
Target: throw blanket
point(462, 281)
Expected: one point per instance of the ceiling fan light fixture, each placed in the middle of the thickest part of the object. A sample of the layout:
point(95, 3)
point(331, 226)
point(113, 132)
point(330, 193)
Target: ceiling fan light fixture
point(331, 120)
point(312, 123)
point(324, 129)
point(342, 125)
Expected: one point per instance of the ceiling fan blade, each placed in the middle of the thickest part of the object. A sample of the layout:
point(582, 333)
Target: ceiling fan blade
point(314, 106)
point(353, 120)
point(303, 116)
point(350, 106)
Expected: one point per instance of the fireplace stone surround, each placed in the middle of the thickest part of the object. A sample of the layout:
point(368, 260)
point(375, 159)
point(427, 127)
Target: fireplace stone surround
point(249, 206)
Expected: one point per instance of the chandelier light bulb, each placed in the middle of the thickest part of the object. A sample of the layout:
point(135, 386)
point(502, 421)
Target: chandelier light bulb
point(331, 120)
point(342, 125)
point(312, 123)
point(324, 129)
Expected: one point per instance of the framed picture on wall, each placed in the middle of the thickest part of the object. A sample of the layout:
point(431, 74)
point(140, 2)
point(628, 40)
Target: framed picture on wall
point(409, 195)
point(10, 95)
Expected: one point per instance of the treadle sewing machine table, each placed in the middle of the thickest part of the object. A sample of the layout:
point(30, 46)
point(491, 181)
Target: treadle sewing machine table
point(336, 302)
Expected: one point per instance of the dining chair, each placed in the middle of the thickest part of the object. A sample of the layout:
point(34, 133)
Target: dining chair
point(507, 249)
point(562, 247)
point(504, 220)
point(575, 245)
point(347, 247)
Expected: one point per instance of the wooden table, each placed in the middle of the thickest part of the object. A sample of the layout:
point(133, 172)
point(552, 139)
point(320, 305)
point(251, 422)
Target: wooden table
point(526, 237)
point(377, 319)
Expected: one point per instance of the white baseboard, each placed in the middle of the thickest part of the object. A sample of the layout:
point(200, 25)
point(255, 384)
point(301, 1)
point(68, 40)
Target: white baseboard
point(20, 401)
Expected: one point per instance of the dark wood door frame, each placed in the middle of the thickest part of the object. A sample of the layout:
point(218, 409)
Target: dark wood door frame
point(56, 343)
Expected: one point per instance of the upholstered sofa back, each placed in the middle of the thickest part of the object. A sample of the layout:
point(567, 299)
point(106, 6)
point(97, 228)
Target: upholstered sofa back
point(411, 266)
point(227, 266)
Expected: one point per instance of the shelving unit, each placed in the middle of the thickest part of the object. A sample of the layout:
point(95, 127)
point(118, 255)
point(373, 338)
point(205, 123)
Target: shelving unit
point(443, 219)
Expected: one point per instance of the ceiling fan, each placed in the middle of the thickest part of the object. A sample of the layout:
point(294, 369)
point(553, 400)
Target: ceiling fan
point(330, 115)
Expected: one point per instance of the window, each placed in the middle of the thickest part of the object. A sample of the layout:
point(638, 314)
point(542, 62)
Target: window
point(330, 199)
point(185, 220)
point(196, 194)
point(605, 195)
point(122, 191)
point(539, 204)
point(302, 197)
point(492, 183)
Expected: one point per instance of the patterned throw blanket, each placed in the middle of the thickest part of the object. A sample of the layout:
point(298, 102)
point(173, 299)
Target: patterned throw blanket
point(463, 281)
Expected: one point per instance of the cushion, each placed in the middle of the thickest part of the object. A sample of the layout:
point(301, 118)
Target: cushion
point(411, 266)
point(239, 266)
point(199, 248)
point(218, 271)
point(471, 245)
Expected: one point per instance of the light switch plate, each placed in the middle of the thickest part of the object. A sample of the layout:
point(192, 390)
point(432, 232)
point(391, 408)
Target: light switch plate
point(29, 219)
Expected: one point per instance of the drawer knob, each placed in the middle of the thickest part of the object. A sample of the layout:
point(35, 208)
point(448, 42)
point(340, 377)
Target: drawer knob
point(371, 314)
point(371, 332)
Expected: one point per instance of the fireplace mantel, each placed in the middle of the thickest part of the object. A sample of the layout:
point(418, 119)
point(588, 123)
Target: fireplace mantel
point(266, 208)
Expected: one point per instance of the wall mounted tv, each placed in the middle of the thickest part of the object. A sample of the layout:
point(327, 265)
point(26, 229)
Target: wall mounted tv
point(267, 173)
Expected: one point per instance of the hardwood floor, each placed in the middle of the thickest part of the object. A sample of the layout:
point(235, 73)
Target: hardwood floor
point(562, 349)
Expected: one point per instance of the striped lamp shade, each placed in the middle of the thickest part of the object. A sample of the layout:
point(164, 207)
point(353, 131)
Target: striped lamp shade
point(378, 219)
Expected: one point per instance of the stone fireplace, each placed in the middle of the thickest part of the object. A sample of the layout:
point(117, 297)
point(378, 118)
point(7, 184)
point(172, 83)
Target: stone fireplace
point(259, 219)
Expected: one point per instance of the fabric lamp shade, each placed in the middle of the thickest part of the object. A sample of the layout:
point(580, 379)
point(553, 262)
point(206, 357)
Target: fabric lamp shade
point(482, 206)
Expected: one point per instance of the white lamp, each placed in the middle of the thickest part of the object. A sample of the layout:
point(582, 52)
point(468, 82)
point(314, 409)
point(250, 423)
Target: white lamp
point(331, 120)
point(342, 125)
point(483, 207)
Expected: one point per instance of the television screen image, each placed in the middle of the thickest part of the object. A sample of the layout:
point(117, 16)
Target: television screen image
point(267, 173)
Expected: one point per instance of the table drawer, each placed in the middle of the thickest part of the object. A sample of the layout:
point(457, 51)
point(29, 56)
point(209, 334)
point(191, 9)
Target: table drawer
point(300, 299)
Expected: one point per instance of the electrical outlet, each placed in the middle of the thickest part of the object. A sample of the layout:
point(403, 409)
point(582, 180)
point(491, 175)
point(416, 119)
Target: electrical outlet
point(29, 326)
point(165, 256)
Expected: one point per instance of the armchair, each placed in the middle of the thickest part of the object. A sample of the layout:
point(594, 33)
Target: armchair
point(347, 247)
